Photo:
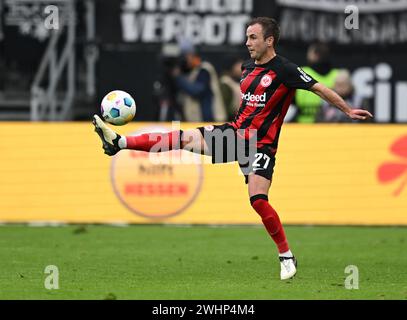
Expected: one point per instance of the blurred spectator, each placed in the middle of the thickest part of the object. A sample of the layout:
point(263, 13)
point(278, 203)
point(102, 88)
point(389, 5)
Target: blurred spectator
point(319, 67)
point(344, 87)
point(230, 87)
point(202, 99)
point(165, 90)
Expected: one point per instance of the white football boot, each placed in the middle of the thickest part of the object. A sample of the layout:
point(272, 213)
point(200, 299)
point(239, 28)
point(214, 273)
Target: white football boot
point(288, 267)
point(110, 139)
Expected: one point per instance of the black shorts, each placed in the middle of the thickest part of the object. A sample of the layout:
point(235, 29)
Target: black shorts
point(226, 146)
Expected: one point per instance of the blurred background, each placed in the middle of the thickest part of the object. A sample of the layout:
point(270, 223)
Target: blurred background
point(180, 60)
point(58, 63)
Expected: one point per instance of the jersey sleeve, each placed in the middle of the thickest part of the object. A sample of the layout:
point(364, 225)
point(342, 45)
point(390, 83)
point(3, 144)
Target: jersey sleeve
point(295, 77)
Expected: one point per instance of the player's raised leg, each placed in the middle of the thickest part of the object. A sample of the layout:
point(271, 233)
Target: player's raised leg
point(258, 192)
point(189, 140)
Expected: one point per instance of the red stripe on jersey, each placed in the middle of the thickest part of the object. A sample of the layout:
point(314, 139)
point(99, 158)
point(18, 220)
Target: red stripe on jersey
point(274, 99)
point(278, 122)
point(244, 85)
point(258, 91)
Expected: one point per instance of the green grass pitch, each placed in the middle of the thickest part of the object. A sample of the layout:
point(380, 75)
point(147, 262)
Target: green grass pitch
point(173, 262)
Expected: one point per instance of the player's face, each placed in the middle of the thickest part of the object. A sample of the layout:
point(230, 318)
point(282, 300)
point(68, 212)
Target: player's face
point(256, 44)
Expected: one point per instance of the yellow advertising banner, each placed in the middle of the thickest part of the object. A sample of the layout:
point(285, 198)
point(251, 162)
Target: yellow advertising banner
point(325, 174)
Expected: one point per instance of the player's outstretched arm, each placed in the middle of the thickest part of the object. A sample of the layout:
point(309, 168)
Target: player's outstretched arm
point(333, 98)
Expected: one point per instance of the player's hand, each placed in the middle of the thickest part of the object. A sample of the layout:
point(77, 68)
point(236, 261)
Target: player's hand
point(359, 114)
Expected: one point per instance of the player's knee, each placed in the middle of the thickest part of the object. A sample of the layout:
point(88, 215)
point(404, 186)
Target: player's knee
point(185, 138)
point(191, 140)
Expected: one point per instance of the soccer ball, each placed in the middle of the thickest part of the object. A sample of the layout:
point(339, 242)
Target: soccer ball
point(118, 107)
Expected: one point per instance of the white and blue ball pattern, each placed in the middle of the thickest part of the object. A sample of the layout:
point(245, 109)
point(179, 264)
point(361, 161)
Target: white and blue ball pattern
point(118, 108)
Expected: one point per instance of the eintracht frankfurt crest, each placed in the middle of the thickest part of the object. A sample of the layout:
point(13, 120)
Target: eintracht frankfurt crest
point(266, 80)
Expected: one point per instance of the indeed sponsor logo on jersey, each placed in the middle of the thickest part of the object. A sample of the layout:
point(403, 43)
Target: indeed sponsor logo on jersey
point(254, 97)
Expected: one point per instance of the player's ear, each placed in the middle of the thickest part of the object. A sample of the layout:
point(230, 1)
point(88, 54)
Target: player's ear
point(270, 41)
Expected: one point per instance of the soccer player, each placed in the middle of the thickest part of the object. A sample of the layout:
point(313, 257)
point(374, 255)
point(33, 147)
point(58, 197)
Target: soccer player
point(268, 84)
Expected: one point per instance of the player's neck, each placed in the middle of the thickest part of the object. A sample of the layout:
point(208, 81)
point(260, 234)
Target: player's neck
point(266, 58)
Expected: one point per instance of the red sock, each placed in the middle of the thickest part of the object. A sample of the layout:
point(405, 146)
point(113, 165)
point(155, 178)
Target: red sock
point(160, 141)
point(270, 220)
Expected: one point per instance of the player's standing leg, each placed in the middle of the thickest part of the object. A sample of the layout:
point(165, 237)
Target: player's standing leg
point(258, 192)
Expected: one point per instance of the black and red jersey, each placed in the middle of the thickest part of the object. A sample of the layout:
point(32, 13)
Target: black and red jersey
point(266, 94)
